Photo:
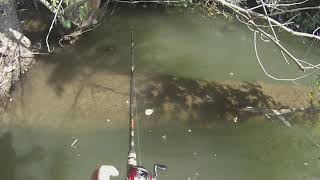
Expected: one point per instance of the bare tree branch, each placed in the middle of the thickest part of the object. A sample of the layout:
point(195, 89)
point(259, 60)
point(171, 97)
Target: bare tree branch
point(248, 17)
point(295, 10)
point(147, 1)
point(51, 26)
point(250, 13)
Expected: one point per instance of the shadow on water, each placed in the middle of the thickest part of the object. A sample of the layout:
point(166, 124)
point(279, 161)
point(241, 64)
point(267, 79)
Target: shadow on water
point(80, 61)
point(36, 154)
point(67, 67)
point(198, 99)
point(59, 167)
point(9, 159)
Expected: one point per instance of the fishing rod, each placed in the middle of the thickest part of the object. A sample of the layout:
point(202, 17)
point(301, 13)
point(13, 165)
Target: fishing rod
point(132, 155)
point(134, 171)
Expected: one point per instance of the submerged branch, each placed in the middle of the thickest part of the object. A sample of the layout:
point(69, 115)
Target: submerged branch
point(281, 114)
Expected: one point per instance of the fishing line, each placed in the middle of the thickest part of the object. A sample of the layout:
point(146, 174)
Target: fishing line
point(138, 134)
point(134, 100)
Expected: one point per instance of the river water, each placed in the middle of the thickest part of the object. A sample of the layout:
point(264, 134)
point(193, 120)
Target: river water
point(71, 114)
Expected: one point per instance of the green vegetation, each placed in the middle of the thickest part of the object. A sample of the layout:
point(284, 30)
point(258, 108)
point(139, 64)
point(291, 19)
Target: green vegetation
point(314, 95)
point(76, 12)
point(305, 17)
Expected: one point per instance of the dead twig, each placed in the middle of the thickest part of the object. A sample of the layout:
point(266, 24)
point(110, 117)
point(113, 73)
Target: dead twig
point(51, 26)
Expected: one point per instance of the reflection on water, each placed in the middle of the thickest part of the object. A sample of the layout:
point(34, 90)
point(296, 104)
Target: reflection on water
point(81, 92)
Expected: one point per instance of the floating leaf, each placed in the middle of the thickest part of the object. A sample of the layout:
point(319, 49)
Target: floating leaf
point(82, 13)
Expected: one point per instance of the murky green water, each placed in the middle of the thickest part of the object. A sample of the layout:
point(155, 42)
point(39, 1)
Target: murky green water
point(71, 95)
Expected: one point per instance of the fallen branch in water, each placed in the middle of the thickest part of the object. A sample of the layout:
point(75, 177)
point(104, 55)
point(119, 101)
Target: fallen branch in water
point(281, 114)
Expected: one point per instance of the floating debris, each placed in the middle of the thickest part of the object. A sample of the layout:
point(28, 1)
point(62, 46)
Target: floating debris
point(231, 74)
point(267, 116)
point(148, 112)
point(195, 153)
point(149, 131)
point(284, 120)
point(108, 120)
point(235, 119)
point(164, 137)
point(10, 99)
point(78, 154)
point(74, 143)
point(189, 130)
point(193, 177)
point(127, 101)
point(215, 155)
point(306, 164)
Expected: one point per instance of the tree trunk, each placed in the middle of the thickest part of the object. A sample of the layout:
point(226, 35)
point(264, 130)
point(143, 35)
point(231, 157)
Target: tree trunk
point(15, 54)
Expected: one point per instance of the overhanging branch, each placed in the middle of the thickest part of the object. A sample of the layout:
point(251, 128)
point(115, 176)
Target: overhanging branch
point(267, 18)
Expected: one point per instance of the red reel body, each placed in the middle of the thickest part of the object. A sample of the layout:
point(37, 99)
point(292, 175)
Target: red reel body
point(138, 173)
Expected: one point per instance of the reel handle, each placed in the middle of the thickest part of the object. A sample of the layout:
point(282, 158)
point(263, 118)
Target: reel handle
point(157, 168)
